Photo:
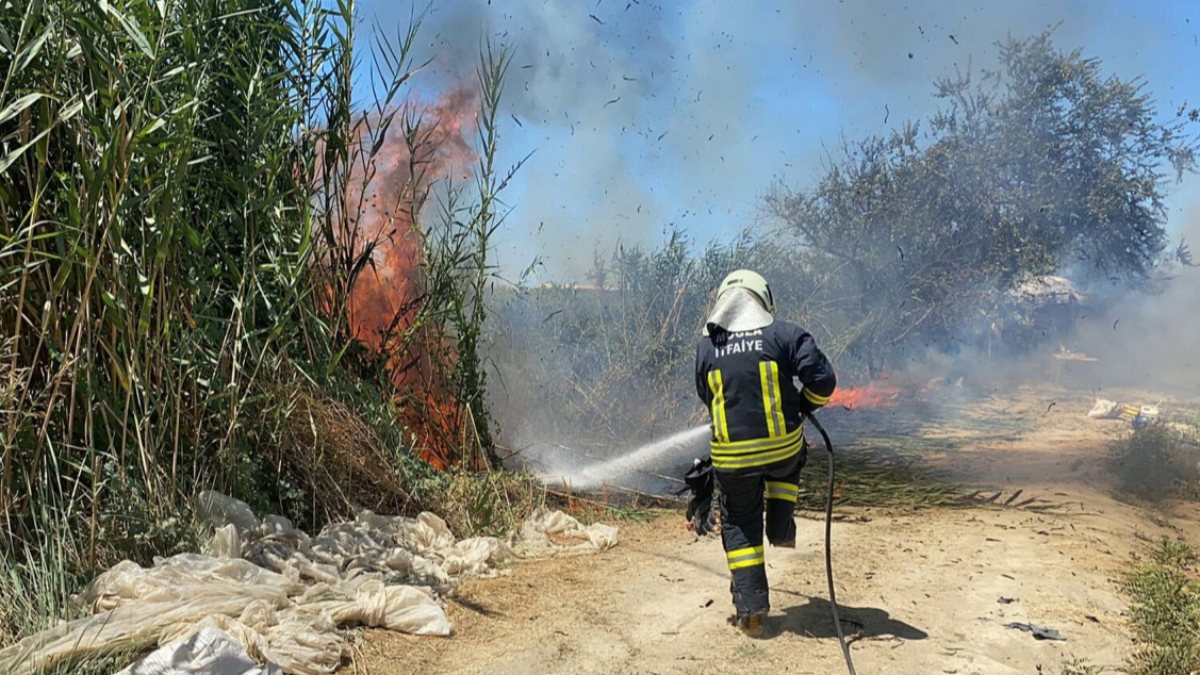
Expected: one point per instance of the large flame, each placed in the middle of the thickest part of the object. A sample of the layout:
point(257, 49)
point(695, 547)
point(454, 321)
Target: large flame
point(387, 295)
point(383, 299)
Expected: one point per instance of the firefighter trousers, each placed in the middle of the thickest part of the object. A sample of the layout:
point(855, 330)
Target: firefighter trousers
point(745, 494)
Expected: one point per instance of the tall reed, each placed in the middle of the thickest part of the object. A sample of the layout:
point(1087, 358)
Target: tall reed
point(181, 188)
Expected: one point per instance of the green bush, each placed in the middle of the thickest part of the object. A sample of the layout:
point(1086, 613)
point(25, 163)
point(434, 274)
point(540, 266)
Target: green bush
point(1044, 163)
point(1165, 611)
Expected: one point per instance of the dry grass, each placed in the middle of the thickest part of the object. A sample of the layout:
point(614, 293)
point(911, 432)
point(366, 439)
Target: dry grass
point(1078, 666)
point(340, 463)
point(867, 478)
point(491, 503)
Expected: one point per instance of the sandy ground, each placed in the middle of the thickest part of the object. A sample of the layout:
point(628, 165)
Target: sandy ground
point(922, 592)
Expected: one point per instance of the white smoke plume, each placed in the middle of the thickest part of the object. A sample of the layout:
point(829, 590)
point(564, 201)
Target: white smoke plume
point(647, 113)
point(1150, 341)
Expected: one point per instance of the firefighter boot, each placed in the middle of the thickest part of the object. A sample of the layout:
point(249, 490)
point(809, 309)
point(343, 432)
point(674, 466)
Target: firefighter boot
point(752, 624)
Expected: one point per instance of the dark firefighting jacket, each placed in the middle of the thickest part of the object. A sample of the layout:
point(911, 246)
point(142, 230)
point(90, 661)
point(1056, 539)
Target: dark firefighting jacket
point(746, 380)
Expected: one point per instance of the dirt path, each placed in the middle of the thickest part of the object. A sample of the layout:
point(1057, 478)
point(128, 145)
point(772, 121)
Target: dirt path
point(926, 592)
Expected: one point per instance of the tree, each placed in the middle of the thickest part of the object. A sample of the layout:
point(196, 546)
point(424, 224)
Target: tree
point(1041, 165)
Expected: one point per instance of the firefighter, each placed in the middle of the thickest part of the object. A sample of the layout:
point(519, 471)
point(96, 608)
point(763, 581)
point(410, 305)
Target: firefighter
point(747, 366)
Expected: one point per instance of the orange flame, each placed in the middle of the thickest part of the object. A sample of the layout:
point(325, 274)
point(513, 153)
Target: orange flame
point(873, 395)
point(386, 296)
point(384, 299)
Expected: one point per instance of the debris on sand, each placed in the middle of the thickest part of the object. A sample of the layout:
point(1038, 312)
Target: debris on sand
point(1038, 632)
point(1136, 415)
point(207, 651)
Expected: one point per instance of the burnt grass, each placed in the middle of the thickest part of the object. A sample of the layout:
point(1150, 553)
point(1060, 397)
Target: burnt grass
point(867, 477)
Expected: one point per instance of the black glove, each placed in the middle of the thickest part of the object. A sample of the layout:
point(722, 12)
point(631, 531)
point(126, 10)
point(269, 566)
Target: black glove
point(699, 482)
point(701, 516)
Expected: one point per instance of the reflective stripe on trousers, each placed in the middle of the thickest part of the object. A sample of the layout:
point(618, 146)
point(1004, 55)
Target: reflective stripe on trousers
point(782, 490)
point(745, 557)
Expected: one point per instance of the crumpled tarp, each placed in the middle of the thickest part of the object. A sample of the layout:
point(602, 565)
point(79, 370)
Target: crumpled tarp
point(548, 533)
point(282, 594)
point(208, 651)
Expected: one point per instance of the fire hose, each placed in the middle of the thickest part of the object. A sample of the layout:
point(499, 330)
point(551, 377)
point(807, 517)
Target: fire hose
point(837, 622)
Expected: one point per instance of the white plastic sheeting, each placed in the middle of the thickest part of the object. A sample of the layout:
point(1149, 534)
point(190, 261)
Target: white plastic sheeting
point(206, 652)
point(539, 531)
point(281, 594)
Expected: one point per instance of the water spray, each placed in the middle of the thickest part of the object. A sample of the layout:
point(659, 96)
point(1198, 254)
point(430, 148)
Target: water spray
point(634, 460)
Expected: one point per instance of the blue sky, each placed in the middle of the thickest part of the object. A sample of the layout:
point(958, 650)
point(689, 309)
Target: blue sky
point(746, 93)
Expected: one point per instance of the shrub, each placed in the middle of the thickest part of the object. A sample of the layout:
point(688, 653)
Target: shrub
point(1152, 463)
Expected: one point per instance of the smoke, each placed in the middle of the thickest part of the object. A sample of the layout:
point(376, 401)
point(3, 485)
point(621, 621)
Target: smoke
point(587, 97)
point(646, 114)
point(1140, 340)
point(1146, 341)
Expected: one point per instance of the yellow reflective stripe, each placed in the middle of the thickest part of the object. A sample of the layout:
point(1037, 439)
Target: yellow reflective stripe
point(777, 486)
point(777, 399)
point(752, 458)
point(742, 552)
point(768, 396)
point(783, 491)
point(745, 557)
point(717, 386)
point(777, 444)
point(768, 376)
point(757, 459)
point(753, 444)
point(815, 399)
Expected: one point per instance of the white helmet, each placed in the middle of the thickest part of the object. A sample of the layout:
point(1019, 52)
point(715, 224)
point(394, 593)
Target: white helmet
point(751, 281)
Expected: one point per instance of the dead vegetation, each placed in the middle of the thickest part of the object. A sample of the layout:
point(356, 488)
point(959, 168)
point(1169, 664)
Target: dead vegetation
point(485, 503)
point(865, 478)
point(336, 462)
point(1156, 462)
point(1079, 666)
